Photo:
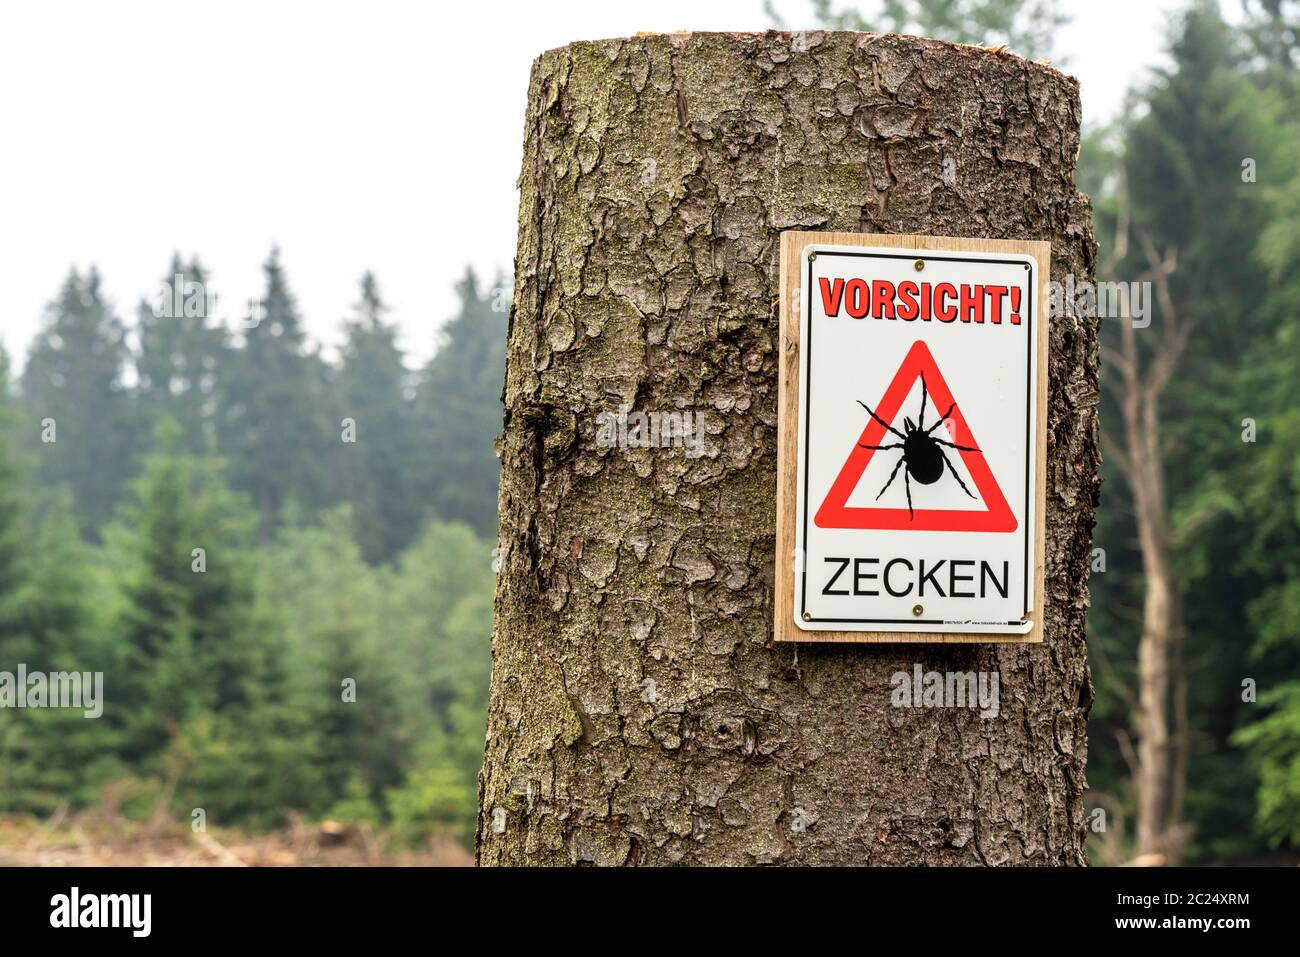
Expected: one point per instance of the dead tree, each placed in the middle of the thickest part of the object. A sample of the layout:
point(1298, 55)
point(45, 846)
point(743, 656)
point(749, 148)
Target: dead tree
point(1158, 765)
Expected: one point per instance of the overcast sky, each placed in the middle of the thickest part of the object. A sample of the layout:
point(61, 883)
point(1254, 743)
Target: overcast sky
point(356, 135)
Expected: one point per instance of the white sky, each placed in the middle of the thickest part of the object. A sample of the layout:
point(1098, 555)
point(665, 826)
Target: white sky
point(365, 134)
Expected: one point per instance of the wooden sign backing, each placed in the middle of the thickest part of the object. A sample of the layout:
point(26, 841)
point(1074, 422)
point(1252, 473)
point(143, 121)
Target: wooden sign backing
point(793, 257)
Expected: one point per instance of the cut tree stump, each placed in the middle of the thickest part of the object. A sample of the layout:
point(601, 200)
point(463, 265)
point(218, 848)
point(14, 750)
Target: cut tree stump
point(640, 712)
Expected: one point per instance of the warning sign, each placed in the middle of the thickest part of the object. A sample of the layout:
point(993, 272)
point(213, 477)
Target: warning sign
point(912, 439)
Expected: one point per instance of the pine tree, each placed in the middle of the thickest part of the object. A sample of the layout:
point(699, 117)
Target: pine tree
point(458, 403)
point(345, 674)
point(439, 622)
point(79, 415)
point(1262, 492)
point(276, 415)
point(48, 757)
point(183, 354)
point(186, 628)
point(1272, 28)
point(11, 533)
point(379, 465)
point(208, 715)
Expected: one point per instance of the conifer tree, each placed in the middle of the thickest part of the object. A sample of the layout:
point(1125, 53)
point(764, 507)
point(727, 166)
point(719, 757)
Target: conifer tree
point(277, 421)
point(79, 415)
point(459, 408)
point(183, 352)
point(185, 628)
point(345, 673)
point(48, 757)
point(372, 385)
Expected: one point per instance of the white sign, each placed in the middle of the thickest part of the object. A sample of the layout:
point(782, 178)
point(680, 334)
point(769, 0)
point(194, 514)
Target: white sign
point(918, 428)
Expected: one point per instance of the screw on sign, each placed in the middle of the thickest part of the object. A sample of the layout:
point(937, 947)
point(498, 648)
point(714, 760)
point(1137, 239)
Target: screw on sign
point(912, 439)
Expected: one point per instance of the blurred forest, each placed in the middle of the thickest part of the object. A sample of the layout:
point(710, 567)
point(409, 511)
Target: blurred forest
point(346, 513)
point(371, 560)
point(1195, 624)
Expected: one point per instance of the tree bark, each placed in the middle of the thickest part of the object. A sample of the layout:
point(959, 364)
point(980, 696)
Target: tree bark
point(640, 713)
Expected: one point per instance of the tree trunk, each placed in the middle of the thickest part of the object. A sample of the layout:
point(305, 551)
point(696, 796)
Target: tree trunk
point(640, 713)
point(1142, 431)
point(1159, 768)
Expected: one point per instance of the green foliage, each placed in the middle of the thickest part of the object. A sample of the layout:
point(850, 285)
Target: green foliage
point(1274, 741)
point(276, 420)
point(51, 758)
point(182, 551)
point(248, 765)
point(355, 807)
point(327, 603)
point(412, 641)
point(1272, 28)
point(196, 701)
point(371, 390)
point(73, 381)
point(1234, 523)
point(458, 404)
point(183, 352)
point(311, 634)
point(442, 598)
point(1265, 479)
point(436, 799)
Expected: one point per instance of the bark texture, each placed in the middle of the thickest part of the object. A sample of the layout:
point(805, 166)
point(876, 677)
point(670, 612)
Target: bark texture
point(640, 713)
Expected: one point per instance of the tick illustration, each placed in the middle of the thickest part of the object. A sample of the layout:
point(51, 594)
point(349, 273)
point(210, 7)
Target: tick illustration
point(923, 454)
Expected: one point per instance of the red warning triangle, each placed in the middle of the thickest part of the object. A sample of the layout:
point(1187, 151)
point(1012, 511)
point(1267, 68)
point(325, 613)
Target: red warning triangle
point(835, 511)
